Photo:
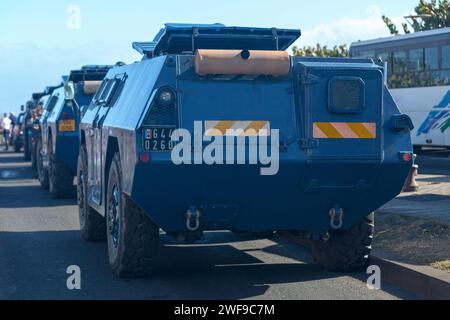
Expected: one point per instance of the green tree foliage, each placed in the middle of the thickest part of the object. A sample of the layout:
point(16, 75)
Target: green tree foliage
point(319, 51)
point(428, 15)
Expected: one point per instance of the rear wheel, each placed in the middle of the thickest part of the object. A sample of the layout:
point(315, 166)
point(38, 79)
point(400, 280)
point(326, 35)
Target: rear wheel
point(26, 147)
point(42, 172)
point(60, 178)
point(133, 239)
point(346, 250)
point(92, 224)
point(34, 157)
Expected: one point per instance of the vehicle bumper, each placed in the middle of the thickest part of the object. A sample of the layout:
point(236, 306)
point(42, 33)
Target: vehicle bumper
point(238, 198)
point(67, 150)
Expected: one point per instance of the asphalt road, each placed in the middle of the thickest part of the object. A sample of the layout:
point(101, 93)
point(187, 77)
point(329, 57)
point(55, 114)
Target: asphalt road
point(39, 240)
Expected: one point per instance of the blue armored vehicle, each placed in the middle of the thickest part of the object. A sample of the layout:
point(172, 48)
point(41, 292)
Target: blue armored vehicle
point(41, 113)
point(218, 128)
point(18, 132)
point(60, 133)
point(30, 117)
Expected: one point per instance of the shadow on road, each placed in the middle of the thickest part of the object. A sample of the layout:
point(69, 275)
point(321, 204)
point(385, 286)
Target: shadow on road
point(17, 197)
point(11, 158)
point(38, 262)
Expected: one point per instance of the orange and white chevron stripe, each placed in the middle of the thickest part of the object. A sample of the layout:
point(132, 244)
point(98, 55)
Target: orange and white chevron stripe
point(345, 130)
point(237, 128)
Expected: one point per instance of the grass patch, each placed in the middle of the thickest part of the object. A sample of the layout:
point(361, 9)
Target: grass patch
point(418, 240)
point(442, 265)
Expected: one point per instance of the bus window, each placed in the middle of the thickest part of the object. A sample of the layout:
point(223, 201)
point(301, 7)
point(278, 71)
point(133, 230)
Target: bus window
point(399, 62)
point(365, 54)
point(416, 60)
point(445, 78)
point(446, 57)
point(386, 57)
point(431, 59)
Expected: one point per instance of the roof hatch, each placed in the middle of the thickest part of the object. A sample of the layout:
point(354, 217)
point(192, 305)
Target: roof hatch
point(187, 38)
point(89, 73)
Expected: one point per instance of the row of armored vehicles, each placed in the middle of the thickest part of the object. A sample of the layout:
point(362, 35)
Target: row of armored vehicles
point(219, 128)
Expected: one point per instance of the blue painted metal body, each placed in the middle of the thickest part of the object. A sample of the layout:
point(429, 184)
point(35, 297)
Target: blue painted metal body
point(65, 144)
point(358, 175)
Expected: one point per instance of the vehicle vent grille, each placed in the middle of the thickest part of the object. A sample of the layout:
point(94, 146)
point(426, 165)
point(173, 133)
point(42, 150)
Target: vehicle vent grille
point(162, 115)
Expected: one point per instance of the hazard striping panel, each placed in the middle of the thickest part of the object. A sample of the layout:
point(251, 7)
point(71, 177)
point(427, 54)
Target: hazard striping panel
point(345, 130)
point(237, 128)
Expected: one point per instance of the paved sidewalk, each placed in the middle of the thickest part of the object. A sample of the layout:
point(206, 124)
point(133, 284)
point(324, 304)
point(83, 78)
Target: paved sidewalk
point(433, 199)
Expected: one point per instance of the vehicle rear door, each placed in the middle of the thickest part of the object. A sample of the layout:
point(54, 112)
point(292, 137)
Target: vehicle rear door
point(343, 111)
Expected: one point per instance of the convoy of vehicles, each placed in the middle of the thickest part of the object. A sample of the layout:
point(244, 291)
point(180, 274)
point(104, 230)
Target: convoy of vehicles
point(17, 136)
point(31, 110)
point(45, 107)
point(419, 80)
point(59, 129)
point(145, 140)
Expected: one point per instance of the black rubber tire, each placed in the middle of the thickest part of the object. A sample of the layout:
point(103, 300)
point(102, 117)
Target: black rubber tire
point(92, 224)
point(136, 251)
point(41, 171)
point(26, 149)
point(346, 250)
point(34, 166)
point(61, 184)
point(17, 148)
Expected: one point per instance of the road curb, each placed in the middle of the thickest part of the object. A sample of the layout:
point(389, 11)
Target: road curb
point(423, 281)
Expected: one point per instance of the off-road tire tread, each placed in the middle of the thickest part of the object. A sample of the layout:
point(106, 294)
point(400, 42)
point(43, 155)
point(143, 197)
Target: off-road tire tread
point(347, 250)
point(60, 180)
point(139, 249)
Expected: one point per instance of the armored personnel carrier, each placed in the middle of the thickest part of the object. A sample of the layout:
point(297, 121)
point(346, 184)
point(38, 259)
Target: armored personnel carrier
point(60, 133)
point(30, 109)
point(218, 128)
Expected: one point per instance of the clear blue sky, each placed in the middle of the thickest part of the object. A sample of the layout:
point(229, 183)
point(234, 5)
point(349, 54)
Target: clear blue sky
point(36, 46)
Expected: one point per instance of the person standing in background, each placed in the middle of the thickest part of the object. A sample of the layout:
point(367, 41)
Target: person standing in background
point(6, 125)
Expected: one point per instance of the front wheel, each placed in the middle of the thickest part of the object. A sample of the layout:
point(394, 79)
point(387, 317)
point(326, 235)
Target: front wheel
point(133, 239)
point(346, 250)
point(60, 178)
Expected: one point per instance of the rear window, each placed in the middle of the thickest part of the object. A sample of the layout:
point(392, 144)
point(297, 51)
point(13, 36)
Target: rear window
point(446, 57)
point(346, 95)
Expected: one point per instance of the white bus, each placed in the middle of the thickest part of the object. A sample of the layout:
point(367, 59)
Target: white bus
point(419, 80)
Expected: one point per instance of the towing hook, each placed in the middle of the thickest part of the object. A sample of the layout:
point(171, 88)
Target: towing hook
point(336, 218)
point(193, 215)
